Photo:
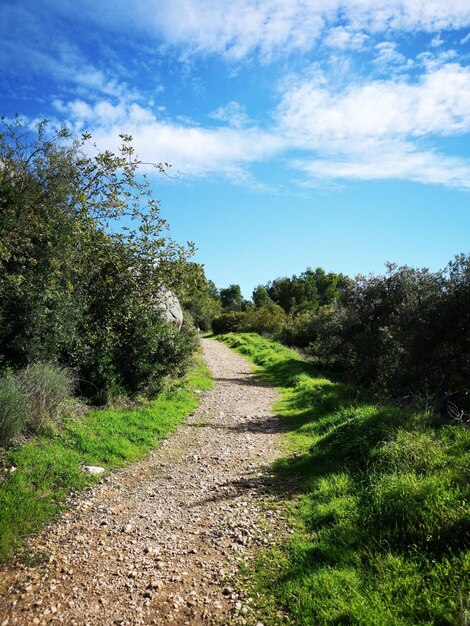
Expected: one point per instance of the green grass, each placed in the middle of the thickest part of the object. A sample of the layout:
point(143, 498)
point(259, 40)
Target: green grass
point(49, 467)
point(378, 498)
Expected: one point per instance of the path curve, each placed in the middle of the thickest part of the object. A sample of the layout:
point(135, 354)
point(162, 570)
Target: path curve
point(157, 542)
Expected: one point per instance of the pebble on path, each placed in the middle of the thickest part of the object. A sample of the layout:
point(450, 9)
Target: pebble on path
point(162, 540)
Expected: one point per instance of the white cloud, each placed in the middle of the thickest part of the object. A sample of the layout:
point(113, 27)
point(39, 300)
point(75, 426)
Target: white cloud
point(278, 26)
point(366, 131)
point(191, 150)
point(437, 41)
point(342, 38)
point(375, 129)
point(267, 27)
point(398, 162)
point(388, 59)
point(233, 113)
point(312, 116)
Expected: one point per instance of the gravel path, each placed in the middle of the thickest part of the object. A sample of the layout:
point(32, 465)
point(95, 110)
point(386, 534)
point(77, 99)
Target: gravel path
point(161, 541)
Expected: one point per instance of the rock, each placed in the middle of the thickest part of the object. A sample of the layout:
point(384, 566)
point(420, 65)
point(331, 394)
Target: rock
point(170, 305)
point(157, 584)
point(94, 469)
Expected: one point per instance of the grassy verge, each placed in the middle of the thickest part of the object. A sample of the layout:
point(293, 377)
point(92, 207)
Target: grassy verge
point(49, 467)
point(378, 497)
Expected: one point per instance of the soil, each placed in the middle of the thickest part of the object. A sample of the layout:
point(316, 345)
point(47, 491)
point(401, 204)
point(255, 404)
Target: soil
point(162, 541)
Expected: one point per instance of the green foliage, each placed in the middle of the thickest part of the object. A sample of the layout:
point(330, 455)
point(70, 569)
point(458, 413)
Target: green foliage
point(307, 292)
point(33, 398)
point(13, 410)
point(201, 299)
point(228, 322)
point(299, 330)
point(379, 499)
point(408, 329)
point(231, 298)
point(260, 296)
point(49, 466)
point(265, 320)
point(47, 389)
point(84, 254)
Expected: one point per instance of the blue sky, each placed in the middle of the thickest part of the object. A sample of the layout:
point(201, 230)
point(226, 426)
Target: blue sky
point(303, 133)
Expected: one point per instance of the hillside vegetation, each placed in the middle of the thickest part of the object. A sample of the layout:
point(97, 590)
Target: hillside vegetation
point(403, 333)
point(84, 254)
point(378, 496)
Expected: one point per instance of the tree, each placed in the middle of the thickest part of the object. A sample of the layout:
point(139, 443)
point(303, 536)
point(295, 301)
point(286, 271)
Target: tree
point(307, 292)
point(83, 254)
point(231, 298)
point(260, 296)
point(201, 298)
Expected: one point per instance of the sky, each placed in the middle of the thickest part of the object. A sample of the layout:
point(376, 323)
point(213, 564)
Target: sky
point(332, 133)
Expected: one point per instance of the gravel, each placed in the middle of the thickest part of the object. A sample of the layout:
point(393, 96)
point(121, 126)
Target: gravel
point(161, 541)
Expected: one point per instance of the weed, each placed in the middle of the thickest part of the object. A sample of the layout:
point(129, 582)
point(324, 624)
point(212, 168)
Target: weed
point(48, 389)
point(13, 410)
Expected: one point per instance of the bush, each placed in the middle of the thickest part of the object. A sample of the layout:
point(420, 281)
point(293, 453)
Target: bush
point(299, 330)
point(408, 330)
point(13, 410)
point(72, 289)
point(46, 389)
point(268, 319)
point(230, 322)
point(150, 350)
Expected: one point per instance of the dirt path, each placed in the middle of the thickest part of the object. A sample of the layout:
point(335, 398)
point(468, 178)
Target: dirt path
point(161, 541)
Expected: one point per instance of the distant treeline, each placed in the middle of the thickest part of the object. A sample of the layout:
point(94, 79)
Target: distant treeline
point(407, 331)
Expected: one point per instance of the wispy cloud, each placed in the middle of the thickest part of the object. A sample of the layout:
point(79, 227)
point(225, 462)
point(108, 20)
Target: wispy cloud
point(340, 122)
point(375, 129)
point(343, 38)
point(192, 150)
point(370, 130)
point(232, 113)
point(313, 116)
point(389, 60)
point(401, 161)
point(278, 26)
point(268, 27)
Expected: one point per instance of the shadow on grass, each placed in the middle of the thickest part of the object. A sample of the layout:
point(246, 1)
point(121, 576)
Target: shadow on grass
point(378, 496)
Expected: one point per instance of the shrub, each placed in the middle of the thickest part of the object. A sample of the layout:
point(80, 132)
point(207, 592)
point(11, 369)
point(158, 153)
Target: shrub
point(299, 330)
point(47, 389)
point(73, 289)
point(228, 322)
point(265, 320)
point(408, 330)
point(13, 410)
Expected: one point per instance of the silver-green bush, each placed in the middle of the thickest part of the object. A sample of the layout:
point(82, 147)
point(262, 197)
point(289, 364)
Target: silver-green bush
point(13, 410)
point(47, 390)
